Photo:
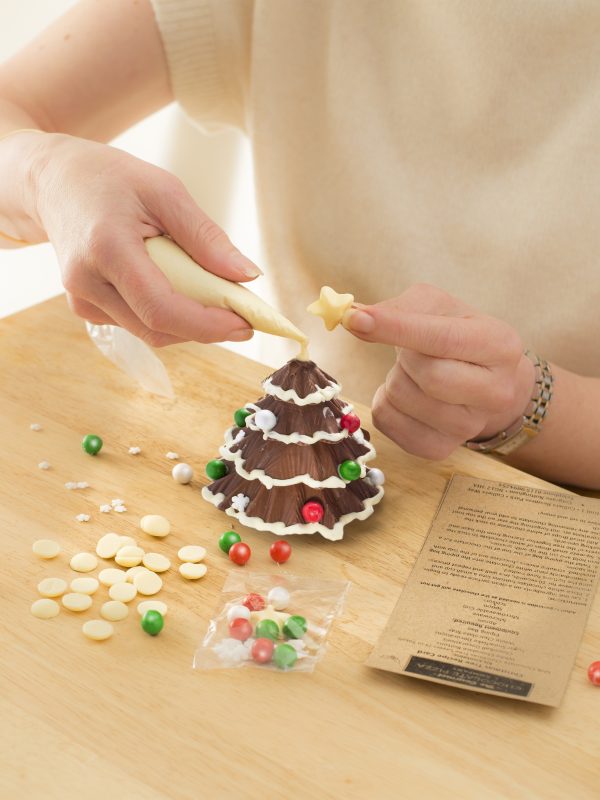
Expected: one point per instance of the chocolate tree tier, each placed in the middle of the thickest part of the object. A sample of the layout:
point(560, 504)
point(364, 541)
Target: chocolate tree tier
point(296, 460)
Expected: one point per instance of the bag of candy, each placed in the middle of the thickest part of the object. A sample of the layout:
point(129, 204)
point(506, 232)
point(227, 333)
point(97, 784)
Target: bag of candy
point(272, 621)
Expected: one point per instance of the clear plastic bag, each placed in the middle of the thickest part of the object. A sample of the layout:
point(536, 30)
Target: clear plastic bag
point(312, 603)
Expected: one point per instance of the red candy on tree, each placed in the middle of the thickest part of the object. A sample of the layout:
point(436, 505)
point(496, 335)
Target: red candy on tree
point(280, 551)
point(262, 650)
point(254, 602)
point(350, 422)
point(594, 673)
point(312, 511)
point(240, 629)
point(239, 553)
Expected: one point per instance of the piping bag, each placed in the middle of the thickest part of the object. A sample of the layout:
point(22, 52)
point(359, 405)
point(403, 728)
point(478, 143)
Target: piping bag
point(139, 361)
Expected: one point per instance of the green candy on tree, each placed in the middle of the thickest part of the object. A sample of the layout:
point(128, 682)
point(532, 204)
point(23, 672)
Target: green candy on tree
point(295, 627)
point(228, 539)
point(216, 469)
point(267, 629)
point(152, 622)
point(285, 656)
point(349, 470)
point(92, 444)
point(240, 415)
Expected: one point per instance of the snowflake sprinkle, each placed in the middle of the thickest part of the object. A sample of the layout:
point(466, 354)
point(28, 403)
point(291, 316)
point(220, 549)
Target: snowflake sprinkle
point(172, 456)
point(83, 517)
point(105, 508)
point(239, 502)
point(133, 451)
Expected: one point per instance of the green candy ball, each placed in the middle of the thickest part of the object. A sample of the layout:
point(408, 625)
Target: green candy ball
point(152, 622)
point(92, 444)
point(295, 627)
point(239, 417)
point(216, 469)
point(267, 629)
point(228, 539)
point(285, 656)
point(349, 470)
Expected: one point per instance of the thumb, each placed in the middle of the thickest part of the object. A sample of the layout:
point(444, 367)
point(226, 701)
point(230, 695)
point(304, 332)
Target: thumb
point(203, 239)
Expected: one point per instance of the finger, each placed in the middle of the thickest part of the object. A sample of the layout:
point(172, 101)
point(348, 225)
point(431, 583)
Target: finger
point(111, 302)
point(88, 311)
point(479, 339)
point(200, 236)
point(150, 295)
point(458, 421)
point(413, 436)
point(458, 382)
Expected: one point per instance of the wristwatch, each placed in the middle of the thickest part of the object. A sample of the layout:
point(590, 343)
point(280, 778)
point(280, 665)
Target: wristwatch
point(527, 426)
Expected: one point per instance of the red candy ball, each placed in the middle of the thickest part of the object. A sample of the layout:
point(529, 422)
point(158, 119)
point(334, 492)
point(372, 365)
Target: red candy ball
point(280, 551)
point(239, 553)
point(262, 650)
point(350, 422)
point(240, 629)
point(312, 511)
point(594, 673)
point(254, 602)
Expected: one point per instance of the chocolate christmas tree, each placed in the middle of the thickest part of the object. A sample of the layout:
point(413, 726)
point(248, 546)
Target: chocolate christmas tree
point(295, 461)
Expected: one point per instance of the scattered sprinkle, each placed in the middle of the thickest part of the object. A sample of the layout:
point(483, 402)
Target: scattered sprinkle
point(172, 456)
point(44, 465)
point(134, 451)
point(105, 508)
point(35, 426)
point(83, 485)
point(120, 509)
point(83, 517)
point(70, 485)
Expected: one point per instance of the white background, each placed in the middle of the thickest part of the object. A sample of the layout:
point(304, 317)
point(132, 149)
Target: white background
point(216, 169)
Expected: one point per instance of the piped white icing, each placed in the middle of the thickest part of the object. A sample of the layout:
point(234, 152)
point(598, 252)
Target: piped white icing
point(280, 529)
point(321, 395)
point(333, 482)
point(298, 438)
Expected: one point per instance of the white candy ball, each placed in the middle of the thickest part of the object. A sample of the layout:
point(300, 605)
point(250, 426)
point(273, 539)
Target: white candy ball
point(279, 598)
point(375, 477)
point(265, 419)
point(182, 473)
point(237, 612)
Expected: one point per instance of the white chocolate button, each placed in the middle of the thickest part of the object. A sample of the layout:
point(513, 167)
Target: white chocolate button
point(108, 545)
point(133, 571)
point(46, 548)
point(75, 601)
point(147, 582)
point(192, 572)
point(84, 585)
point(125, 592)
point(45, 609)
point(97, 629)
point(114, 610)
point(127, 541)
point(192, 553)
point(155, 525)
point(84, 562)
point(52, 587)
point(110, 576)
point(129, 556)
point(156, 562)
point(152, 605)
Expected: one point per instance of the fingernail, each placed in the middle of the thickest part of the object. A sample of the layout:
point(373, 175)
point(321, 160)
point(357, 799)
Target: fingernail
point(358, 321)
point(241, 336)
point(246, 266)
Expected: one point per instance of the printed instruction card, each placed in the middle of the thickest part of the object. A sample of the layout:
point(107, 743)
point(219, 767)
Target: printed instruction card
point(499, 596)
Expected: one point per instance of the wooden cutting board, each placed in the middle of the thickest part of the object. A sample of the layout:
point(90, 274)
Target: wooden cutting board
point(129, 718)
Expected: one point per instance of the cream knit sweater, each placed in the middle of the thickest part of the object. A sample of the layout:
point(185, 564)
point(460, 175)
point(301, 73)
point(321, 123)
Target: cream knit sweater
point(455, 142)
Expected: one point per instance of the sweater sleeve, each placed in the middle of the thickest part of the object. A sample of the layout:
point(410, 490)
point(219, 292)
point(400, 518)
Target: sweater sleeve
point(207, 46)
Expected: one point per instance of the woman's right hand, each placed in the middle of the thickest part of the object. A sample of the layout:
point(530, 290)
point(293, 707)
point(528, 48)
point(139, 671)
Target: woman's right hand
point(97, 204)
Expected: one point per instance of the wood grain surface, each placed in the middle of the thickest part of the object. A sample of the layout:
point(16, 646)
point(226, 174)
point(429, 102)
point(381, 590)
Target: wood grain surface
point(129, 718)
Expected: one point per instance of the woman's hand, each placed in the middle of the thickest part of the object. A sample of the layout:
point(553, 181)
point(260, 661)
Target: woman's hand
point(458, 375)
point(97, 204)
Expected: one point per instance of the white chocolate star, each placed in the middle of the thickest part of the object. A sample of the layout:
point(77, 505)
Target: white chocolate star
point(269, 613)
point(331, 306)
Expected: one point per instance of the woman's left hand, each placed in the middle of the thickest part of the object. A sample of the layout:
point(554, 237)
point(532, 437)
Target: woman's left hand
point(458, 375)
